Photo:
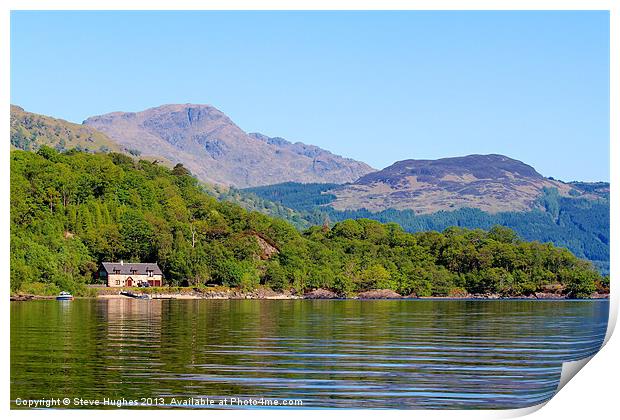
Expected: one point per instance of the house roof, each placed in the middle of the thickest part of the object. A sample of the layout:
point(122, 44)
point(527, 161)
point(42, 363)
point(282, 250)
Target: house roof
point(127, 268)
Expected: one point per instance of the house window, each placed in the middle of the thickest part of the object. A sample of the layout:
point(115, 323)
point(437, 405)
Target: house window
point(118, 282)
point(150, 273)
point(117, 271)
point(133, 271)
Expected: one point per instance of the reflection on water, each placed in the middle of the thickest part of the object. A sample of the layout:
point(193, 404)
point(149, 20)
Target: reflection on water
point(351, 354)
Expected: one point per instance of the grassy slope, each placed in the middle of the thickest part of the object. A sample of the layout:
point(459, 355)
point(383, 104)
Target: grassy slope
point(30, 131)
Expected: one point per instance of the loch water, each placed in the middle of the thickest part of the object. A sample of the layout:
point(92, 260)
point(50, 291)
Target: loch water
point(405, 354)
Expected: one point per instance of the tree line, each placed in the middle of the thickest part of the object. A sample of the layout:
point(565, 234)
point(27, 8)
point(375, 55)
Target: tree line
point(577, 223)
point(72, 210)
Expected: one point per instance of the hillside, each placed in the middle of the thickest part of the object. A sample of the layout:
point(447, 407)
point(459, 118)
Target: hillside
point(30, 131)
point(492, 183)
point(579, 221)
point(578, 218)
point(216, 150)
point(70, 211)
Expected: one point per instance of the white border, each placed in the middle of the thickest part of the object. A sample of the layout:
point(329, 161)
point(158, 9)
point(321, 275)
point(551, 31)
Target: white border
point(592, 394)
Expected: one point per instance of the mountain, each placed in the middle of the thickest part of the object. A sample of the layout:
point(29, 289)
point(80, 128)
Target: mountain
point(30, 131)
point(471, 191)
point(216, 150)
point(492, 183)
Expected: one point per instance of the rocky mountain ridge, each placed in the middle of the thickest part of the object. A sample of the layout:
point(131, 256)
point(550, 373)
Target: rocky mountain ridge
point(216, 150)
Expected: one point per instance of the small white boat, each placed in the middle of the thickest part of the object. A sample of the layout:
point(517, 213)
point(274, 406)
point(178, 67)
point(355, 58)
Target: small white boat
point(64, 296)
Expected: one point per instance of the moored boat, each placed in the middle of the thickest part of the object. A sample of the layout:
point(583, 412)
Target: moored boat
point(64, 296)
point(134, 295)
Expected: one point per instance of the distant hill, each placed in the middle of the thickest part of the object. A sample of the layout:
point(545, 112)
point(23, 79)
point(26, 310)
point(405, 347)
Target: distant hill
point(216, 150)
point(30, 131)
point(578, 220)
point(492, 183)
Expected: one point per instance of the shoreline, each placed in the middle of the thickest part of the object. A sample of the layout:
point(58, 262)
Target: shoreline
point(219, 293)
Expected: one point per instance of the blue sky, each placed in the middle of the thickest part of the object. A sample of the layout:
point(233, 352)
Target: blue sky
point(375, 86)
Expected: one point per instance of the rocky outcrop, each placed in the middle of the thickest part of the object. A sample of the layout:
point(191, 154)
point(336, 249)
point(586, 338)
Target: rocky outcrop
point(22, 298)
point(267, 250)
point(546, 295)
point(481, 296)
point(27, 297)
point(379, 294)
point(320, 294)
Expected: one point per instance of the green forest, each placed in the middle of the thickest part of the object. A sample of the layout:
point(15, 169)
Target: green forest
point(579, 224)
point(72, 210)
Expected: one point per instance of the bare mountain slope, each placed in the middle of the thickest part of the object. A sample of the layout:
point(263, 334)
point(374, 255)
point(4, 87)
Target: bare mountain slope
point(216, 150)
point(492, 183)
